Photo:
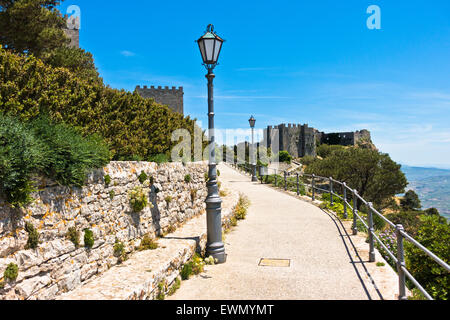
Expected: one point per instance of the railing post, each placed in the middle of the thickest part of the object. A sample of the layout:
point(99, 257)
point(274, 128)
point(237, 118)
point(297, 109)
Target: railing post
point(355, 211)
point(400, 263)
point(313, 188)
point(371, 230)
point(331, 191)
point(285, 181)
point(345, 201)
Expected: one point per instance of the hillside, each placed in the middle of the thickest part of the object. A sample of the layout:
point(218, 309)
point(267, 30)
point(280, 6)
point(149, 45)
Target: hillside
point(432, 185)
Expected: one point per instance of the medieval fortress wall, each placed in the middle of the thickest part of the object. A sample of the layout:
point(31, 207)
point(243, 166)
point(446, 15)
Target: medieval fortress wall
point(171, 97)
point(301, 140)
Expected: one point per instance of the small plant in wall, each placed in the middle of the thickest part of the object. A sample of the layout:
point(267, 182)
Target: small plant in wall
point(138, 199)
point(88, 238)
point(147, 243)
point(195, 266)
point(187, 178)
point(74, 235)
point(142, 177)
point(107, 180)
point(33, 236)
point(11, 272)
point(193, 194)
point(162, 287)
point(119, 251)
point(168, 200)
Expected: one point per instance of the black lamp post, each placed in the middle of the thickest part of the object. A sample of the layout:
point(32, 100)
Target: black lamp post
point(210, 45)
point(252, 122)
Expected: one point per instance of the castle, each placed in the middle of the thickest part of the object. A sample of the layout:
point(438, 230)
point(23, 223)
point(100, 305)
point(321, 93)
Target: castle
point(171, 97)
point(301, 140)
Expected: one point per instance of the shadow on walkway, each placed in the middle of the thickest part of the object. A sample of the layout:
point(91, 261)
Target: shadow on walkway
point(344, 235)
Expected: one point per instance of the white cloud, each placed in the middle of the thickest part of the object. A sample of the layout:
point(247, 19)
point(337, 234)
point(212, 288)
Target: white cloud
point(127, 53)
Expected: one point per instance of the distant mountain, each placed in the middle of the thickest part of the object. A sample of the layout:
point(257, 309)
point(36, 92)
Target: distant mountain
point(432, 185)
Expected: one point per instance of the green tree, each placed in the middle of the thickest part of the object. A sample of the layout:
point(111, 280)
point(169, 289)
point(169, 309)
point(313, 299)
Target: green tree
point(284, 156)
point(32, 26)
point(324, 150)
point(375, 176)
point(76, 60)
point(410, 201)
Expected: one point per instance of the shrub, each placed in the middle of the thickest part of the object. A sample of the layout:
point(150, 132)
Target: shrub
point(390, 241)
point(74, 235)
point(187, 178)
point(198, 264)
point(168, 199)
point(138, 199)
point(142, 177)
point(186, 271)
point(284, 156)
point(147, 243)
point(11, 272)
point(112, 194)
point(22, 155)
point(107, 180)
point(119, 250)
point(175, 286)
point(43, 147)
point(159, 158)
point(241, 208)
point(161, 291)
point(307, 160)
point(71, 156)
point(88, 238)
point(325, 150)
point(33, 236)
point(433, 234)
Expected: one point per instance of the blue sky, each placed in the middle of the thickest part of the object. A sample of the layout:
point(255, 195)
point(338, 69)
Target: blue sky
point(312, 62)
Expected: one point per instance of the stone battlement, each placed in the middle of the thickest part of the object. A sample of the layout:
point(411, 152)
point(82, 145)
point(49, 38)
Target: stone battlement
point(172, 97)
point(301, 140)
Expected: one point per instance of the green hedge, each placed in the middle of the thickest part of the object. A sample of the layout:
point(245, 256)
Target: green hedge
point(133, 127)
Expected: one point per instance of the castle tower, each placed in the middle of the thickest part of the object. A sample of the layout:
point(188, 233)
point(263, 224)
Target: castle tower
point(73, 31)
point(173, 98)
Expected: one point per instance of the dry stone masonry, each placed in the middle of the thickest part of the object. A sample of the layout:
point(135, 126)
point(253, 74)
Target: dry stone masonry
point(57, 265)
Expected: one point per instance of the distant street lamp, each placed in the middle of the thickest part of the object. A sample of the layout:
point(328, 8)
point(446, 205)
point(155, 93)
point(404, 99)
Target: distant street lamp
point(252, 122)
point(210, 45)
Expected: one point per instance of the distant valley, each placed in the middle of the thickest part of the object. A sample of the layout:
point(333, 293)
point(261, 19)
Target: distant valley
point(432, 185)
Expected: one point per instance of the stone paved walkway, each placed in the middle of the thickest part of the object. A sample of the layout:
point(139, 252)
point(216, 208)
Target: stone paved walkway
point(326, 262)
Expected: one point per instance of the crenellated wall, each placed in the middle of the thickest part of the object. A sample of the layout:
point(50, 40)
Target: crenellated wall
point(57, 266)
point(171, 97)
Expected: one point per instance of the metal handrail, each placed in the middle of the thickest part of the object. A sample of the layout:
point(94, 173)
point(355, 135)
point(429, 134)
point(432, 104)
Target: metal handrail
point(400, 233)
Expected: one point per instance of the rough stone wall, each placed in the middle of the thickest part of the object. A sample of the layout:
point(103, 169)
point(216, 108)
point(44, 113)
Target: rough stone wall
point(170, 97)
point(74, 36)
point(57, 266)
point(298, 140)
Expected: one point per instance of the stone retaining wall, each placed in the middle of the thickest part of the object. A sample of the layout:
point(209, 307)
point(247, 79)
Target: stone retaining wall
point(57, 266)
